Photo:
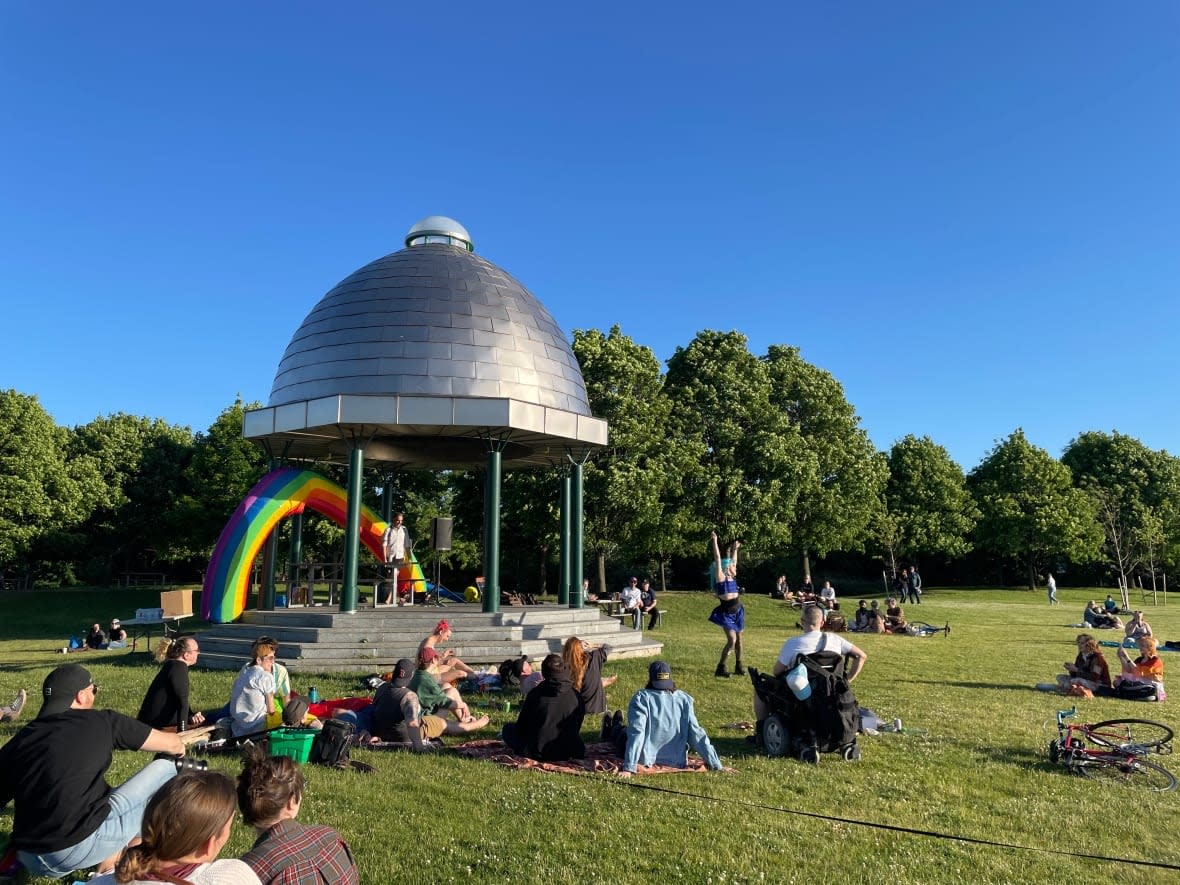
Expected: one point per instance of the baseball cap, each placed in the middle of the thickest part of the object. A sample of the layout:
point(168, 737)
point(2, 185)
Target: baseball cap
point(60, 687)
point(659, 676)
point(403, 672)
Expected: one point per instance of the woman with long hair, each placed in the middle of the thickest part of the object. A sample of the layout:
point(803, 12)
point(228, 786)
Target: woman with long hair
point(583, 663)
point(166, 704)
point(1089, 669)
point(184, 827)
point(270, 793)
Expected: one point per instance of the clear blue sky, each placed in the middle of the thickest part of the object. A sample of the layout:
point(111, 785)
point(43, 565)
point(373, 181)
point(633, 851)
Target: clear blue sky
point(968, 213)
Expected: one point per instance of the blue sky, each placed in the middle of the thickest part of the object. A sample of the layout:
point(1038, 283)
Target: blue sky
point(968, 213)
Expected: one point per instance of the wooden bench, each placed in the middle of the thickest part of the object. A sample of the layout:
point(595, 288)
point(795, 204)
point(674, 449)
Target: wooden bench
point(135, 579)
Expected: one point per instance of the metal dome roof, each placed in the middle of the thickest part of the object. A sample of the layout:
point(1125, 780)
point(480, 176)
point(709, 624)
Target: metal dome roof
point(381, 350)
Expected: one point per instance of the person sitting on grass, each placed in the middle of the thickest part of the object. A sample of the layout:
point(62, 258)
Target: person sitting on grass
point(1095, 617)
point(398, 717)
point(1110, 606)
point(118, 635)
point(1089, 669)
point(548, 727)
point(166, 703)
point(451, 669)
point(894, 617)
point(434, 697)
point(1146, 668)
point(252, 697)
point(662, 724)
point(185, 826)
point(1137, 628)
point(270, 793)
point(584, 662)
point(65, 815)
point(860, 620)
point(96, 639)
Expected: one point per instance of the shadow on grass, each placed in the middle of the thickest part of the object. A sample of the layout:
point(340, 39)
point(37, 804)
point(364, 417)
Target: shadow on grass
point(943, 683)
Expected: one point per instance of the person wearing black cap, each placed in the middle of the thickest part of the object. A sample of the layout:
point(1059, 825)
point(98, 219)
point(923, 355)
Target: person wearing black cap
point(398, 716)
point(662, 724)
point(66, 817)
point(548, 727)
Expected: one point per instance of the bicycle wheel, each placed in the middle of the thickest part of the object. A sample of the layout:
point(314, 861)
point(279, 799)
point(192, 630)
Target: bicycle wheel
point(1131, 735)
point(1128, 770)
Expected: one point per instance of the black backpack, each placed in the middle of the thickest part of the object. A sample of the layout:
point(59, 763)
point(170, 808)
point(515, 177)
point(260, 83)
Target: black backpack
point(330, 746)
point(832, 717)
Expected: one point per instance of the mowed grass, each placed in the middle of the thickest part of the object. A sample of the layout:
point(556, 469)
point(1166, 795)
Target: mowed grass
point(979, 771)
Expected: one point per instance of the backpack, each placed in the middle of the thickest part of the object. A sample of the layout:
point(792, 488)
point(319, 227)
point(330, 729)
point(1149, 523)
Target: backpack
point(1133, 690)
point(831, 718)
point(330, 746)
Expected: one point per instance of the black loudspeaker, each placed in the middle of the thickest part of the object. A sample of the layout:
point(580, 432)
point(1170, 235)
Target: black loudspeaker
point(440, 532)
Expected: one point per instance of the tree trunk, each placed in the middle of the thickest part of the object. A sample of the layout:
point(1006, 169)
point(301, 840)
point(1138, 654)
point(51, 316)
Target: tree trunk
point(1032, 575)
point(806, 566)
point(600, 557)
point(663, 577)
point(543, 577)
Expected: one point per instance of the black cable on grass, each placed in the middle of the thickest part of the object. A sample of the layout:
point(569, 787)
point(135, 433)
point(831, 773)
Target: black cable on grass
point(1157, 864)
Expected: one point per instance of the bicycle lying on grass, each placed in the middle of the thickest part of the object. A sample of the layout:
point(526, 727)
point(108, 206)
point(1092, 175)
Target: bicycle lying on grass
point(1114, 751)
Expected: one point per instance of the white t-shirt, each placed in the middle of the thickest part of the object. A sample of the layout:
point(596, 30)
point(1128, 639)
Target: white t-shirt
point(827, 593)
point(810, 643)
point(229, 871)
point(630, 597)
point(394, 543)
point(247, 700)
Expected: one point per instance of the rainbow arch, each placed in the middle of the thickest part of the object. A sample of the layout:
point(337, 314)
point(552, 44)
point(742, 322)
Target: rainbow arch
point(277, 495)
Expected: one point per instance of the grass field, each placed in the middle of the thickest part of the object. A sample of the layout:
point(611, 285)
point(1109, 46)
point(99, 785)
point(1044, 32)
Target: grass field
point(980, 771)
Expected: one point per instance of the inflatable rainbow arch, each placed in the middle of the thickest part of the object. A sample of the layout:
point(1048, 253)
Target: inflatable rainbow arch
point(279, 494)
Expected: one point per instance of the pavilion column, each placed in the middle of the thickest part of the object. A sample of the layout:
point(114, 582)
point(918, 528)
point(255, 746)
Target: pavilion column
point(491, 528)
point(266, 592)
point(295, 558)
point(575, 596)
point(352, 528)
point(563, 582)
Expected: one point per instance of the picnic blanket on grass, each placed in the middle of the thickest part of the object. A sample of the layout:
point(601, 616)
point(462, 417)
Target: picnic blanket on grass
point(600, 757)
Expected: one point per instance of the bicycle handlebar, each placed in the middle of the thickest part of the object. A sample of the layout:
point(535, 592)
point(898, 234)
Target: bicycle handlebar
point(1062, 715)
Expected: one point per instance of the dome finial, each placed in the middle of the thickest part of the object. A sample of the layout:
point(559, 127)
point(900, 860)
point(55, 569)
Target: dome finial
point(440, 229)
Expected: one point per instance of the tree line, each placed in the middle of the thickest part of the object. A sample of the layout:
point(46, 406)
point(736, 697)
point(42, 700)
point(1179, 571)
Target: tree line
point(763, 448)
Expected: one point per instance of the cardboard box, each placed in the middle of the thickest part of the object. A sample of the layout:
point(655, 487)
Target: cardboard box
point(177, 603)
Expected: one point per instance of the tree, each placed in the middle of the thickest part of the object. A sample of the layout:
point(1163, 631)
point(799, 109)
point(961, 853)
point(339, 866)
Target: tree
point(751, 460)
point(1136, 492)
point(927, 495)
point(1029, 508)
point(224, 467)
point(626, 484)
point(141, 463)
point(839, 492)
point(40, 492)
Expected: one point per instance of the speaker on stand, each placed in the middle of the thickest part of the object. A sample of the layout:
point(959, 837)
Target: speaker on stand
point(440, 541)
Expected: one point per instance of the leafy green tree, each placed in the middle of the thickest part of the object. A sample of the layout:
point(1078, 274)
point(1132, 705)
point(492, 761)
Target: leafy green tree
point(752, 461)
point(1136, 492)
point(839, 492)
point(40, 491)
point(927, 496)
point(224, 467)
point(626, 484)
point(141, 463)
point(1029, 508)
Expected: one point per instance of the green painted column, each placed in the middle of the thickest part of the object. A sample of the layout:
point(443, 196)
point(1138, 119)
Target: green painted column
point(491, 535)
point(266, 601)
point(352, 529)
point(387, 498)
point(576, 600)
point(295, 556)
point(563, 582)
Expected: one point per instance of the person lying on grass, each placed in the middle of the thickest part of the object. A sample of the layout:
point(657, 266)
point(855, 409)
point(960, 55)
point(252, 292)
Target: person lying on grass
point(398, 717)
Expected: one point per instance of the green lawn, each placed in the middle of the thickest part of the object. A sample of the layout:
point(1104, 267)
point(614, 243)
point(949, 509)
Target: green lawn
point(980, 771)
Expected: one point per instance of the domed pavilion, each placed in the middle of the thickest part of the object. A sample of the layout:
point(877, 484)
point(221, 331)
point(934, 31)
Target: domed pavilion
point(433, 357)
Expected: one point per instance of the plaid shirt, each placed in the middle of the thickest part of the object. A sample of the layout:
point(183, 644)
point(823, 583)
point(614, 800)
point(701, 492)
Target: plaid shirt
point(290, 853)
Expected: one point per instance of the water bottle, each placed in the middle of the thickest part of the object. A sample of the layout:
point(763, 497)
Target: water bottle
point(897, 725)
point(313, 695)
